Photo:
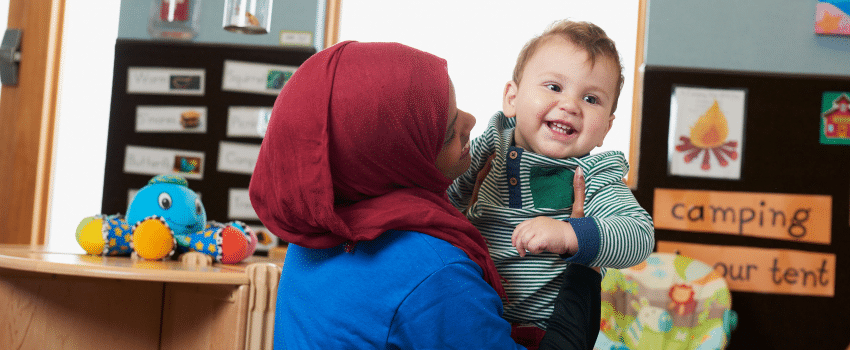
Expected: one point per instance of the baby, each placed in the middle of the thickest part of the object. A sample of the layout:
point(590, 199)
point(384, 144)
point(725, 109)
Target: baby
point(558, 106)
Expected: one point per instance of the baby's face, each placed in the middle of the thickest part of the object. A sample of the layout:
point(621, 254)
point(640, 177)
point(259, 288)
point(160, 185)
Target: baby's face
point(563, 106)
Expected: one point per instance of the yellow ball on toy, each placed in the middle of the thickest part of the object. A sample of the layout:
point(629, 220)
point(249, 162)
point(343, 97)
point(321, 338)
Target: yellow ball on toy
point(90, 235)
point(153, 239)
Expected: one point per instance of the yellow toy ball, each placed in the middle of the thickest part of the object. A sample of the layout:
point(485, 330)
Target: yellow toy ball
point(153, 239)
point(90, 235)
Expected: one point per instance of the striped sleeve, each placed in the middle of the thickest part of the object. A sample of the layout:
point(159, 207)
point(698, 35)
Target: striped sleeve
point(626, 233)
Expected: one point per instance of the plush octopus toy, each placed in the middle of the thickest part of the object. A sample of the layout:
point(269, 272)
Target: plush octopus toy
point(166, 218)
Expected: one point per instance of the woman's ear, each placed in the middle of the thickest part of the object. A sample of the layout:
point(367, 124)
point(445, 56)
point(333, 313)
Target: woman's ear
point(509, 99)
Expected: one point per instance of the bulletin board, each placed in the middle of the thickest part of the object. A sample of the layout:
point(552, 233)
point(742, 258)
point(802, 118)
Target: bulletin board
point(193, 110)
point(736, 173)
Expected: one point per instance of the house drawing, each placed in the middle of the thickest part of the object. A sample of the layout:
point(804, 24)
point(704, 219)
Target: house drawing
point(836, 121)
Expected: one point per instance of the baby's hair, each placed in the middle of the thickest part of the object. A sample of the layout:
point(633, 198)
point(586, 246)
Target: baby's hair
point(585, 35)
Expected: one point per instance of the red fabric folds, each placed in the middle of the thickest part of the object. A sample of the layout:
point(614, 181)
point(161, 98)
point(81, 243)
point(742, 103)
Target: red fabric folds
point(351, 148)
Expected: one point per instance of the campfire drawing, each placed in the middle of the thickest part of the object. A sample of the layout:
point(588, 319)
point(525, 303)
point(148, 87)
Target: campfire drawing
point(708, 137)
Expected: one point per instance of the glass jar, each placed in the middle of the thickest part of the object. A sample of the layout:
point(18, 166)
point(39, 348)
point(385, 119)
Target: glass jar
point(174, 19)
point(248, 16)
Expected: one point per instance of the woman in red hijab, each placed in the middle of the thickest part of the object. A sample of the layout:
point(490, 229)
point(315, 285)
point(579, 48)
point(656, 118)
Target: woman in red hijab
point(363, 142)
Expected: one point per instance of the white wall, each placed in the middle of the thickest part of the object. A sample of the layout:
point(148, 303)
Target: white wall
point(481, 40)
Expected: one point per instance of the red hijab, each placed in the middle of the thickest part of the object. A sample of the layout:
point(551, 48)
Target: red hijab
point(350, 152)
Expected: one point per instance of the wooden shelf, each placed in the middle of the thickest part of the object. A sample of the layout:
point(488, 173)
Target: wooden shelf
point(75, 301)
point(36, 259)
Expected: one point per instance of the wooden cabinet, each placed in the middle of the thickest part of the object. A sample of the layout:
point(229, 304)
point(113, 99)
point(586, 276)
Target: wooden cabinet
point(71, 301)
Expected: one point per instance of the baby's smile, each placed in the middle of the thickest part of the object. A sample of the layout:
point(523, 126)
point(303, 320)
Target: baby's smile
point(562, 128)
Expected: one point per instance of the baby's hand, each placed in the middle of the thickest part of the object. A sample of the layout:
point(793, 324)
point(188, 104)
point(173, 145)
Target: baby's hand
point(544, 234)
point(547, 234)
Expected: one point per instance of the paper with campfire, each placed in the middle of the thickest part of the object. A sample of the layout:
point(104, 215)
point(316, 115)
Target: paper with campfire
point(706, 132)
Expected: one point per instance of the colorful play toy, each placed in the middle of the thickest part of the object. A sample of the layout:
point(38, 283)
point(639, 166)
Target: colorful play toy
point(166, 218)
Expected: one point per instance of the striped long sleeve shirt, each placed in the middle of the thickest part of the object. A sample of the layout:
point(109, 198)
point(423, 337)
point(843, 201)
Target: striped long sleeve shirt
point(616, 232)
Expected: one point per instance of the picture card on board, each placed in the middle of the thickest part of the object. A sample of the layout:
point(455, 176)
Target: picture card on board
point(835, 118)
point(171, 119)
point(155, 161)
point(832, 17)
point(258, 78)
point(165, 81)
point(706, 136)
point(246, 121)
point(239, 205)
point(265, 239)
point(238, 158)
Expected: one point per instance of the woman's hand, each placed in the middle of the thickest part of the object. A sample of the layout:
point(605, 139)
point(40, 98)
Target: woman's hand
point(578, 203)
point(578, 194)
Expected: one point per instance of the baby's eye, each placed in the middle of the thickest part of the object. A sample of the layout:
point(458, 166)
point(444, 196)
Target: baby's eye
point(553, 87)
point(591, 99)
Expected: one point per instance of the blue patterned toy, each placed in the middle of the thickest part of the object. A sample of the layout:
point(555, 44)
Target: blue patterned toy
point(164, 218)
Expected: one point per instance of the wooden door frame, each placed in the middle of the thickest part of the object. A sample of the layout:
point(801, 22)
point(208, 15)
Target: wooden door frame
point(28, 119)
point(637, 97)
point(332, 8)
